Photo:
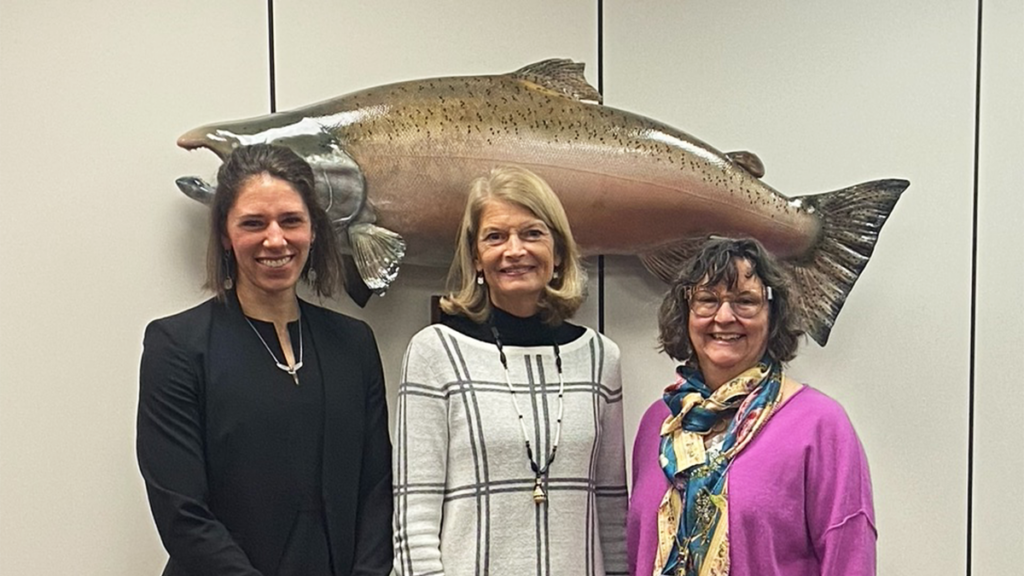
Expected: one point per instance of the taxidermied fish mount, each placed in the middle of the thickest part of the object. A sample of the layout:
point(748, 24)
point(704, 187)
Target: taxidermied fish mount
point(393, 166)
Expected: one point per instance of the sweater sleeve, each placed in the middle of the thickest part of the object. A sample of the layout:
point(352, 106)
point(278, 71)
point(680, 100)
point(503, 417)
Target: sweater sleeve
point(611, 469)
point(373, 549)
point(169, 446)
point(648, 488)
point(420, 460)
point(840, 513)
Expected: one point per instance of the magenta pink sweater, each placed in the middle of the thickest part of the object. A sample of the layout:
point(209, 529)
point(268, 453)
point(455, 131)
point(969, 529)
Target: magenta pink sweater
point(799, 495)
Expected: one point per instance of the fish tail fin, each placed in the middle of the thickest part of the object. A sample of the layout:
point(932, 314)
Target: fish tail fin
point(852, 219)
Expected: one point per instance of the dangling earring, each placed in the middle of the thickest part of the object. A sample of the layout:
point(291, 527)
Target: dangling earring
point(555, 275)
point(310, 270)
point(228, 282)
point(479, 278)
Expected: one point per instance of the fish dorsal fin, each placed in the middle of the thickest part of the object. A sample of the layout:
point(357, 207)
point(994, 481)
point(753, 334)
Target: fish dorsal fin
point(560, 75)
point(748, 161)
point(666, 261)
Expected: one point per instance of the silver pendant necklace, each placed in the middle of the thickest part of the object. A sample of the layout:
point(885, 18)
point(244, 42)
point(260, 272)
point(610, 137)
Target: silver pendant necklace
point(292, 370)
point(540, 472)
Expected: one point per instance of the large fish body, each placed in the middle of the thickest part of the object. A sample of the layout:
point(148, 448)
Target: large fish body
point(395, 162)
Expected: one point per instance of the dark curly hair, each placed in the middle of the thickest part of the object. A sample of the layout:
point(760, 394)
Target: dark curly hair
point(715, 264)
point(244, 163)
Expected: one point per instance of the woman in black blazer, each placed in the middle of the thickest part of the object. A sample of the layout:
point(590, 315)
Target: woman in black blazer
point(262, 424)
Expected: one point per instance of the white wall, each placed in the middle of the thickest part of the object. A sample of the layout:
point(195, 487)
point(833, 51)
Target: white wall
point(998, 526)
point(829, 94)
point(98, 241)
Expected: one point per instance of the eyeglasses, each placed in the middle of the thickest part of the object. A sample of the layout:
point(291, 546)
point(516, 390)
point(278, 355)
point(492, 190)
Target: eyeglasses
point(705, 303)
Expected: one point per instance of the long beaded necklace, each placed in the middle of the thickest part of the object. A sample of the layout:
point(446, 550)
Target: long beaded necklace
point(539, 496)
point(292, 370)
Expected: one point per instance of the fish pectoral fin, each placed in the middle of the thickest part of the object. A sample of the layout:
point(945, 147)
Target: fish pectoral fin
point(378, 253)
point(196, 188)
point(666, 261)
point(356, 289)
point(560, 75)
point(748, 161)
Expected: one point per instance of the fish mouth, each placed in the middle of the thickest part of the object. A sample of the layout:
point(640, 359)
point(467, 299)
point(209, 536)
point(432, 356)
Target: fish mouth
point(196, 188)
point(218, 141)
point(194, 139)
point(188, 142)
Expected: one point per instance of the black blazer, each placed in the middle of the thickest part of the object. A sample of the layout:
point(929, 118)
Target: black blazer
point(220, 513)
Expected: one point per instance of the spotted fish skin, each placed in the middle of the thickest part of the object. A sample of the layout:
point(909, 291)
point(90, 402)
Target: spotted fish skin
point(630, 184)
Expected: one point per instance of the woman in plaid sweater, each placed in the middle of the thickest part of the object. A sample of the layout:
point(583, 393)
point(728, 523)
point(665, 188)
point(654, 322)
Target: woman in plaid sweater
point(509, 457)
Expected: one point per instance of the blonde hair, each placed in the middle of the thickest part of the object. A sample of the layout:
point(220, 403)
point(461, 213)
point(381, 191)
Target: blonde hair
point(562, 296)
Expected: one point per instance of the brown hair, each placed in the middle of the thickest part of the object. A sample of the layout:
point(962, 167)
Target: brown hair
point(563, 295)
point(323, 270)
point(713, 265)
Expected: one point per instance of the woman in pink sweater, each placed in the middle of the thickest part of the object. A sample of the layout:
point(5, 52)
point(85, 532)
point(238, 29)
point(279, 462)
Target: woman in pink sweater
point(739, 470)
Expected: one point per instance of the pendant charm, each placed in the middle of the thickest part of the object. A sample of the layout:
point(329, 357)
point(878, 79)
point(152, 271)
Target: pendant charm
point(293, 370)
point(538, 493)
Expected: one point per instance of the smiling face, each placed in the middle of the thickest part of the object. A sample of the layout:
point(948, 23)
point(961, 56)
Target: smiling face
point(269, 231)
point(515, 252)
point(727, 344)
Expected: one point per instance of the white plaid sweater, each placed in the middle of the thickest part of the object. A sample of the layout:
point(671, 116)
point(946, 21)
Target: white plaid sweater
point(463, 484)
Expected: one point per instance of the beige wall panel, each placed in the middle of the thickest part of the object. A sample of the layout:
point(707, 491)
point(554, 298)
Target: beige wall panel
point(98, 241)
point(325, 49)
point(830, 94)
point(997, 544)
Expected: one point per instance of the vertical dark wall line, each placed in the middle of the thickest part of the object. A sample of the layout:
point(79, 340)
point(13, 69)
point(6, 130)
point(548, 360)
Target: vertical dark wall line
point(600, 88)
point(974, 296)
point(271, 57)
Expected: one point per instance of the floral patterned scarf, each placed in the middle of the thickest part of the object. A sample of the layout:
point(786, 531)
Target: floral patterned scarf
point(693, 520)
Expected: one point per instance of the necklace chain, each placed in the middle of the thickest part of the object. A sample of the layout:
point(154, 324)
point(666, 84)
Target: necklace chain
point(292, 370)
point(539, 495)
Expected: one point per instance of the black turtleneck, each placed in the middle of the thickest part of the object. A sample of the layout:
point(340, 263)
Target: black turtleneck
point(514, 331)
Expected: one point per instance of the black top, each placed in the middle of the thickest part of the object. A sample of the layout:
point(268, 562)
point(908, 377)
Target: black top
point(295, 411)
point(250, 475)
point(515, 331)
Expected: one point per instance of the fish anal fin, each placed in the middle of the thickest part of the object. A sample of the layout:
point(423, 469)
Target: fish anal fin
point(666, 261)
point(748, 161)
point(378, 253)
point(852, 219)
point(356, 289)
point(560, 75)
